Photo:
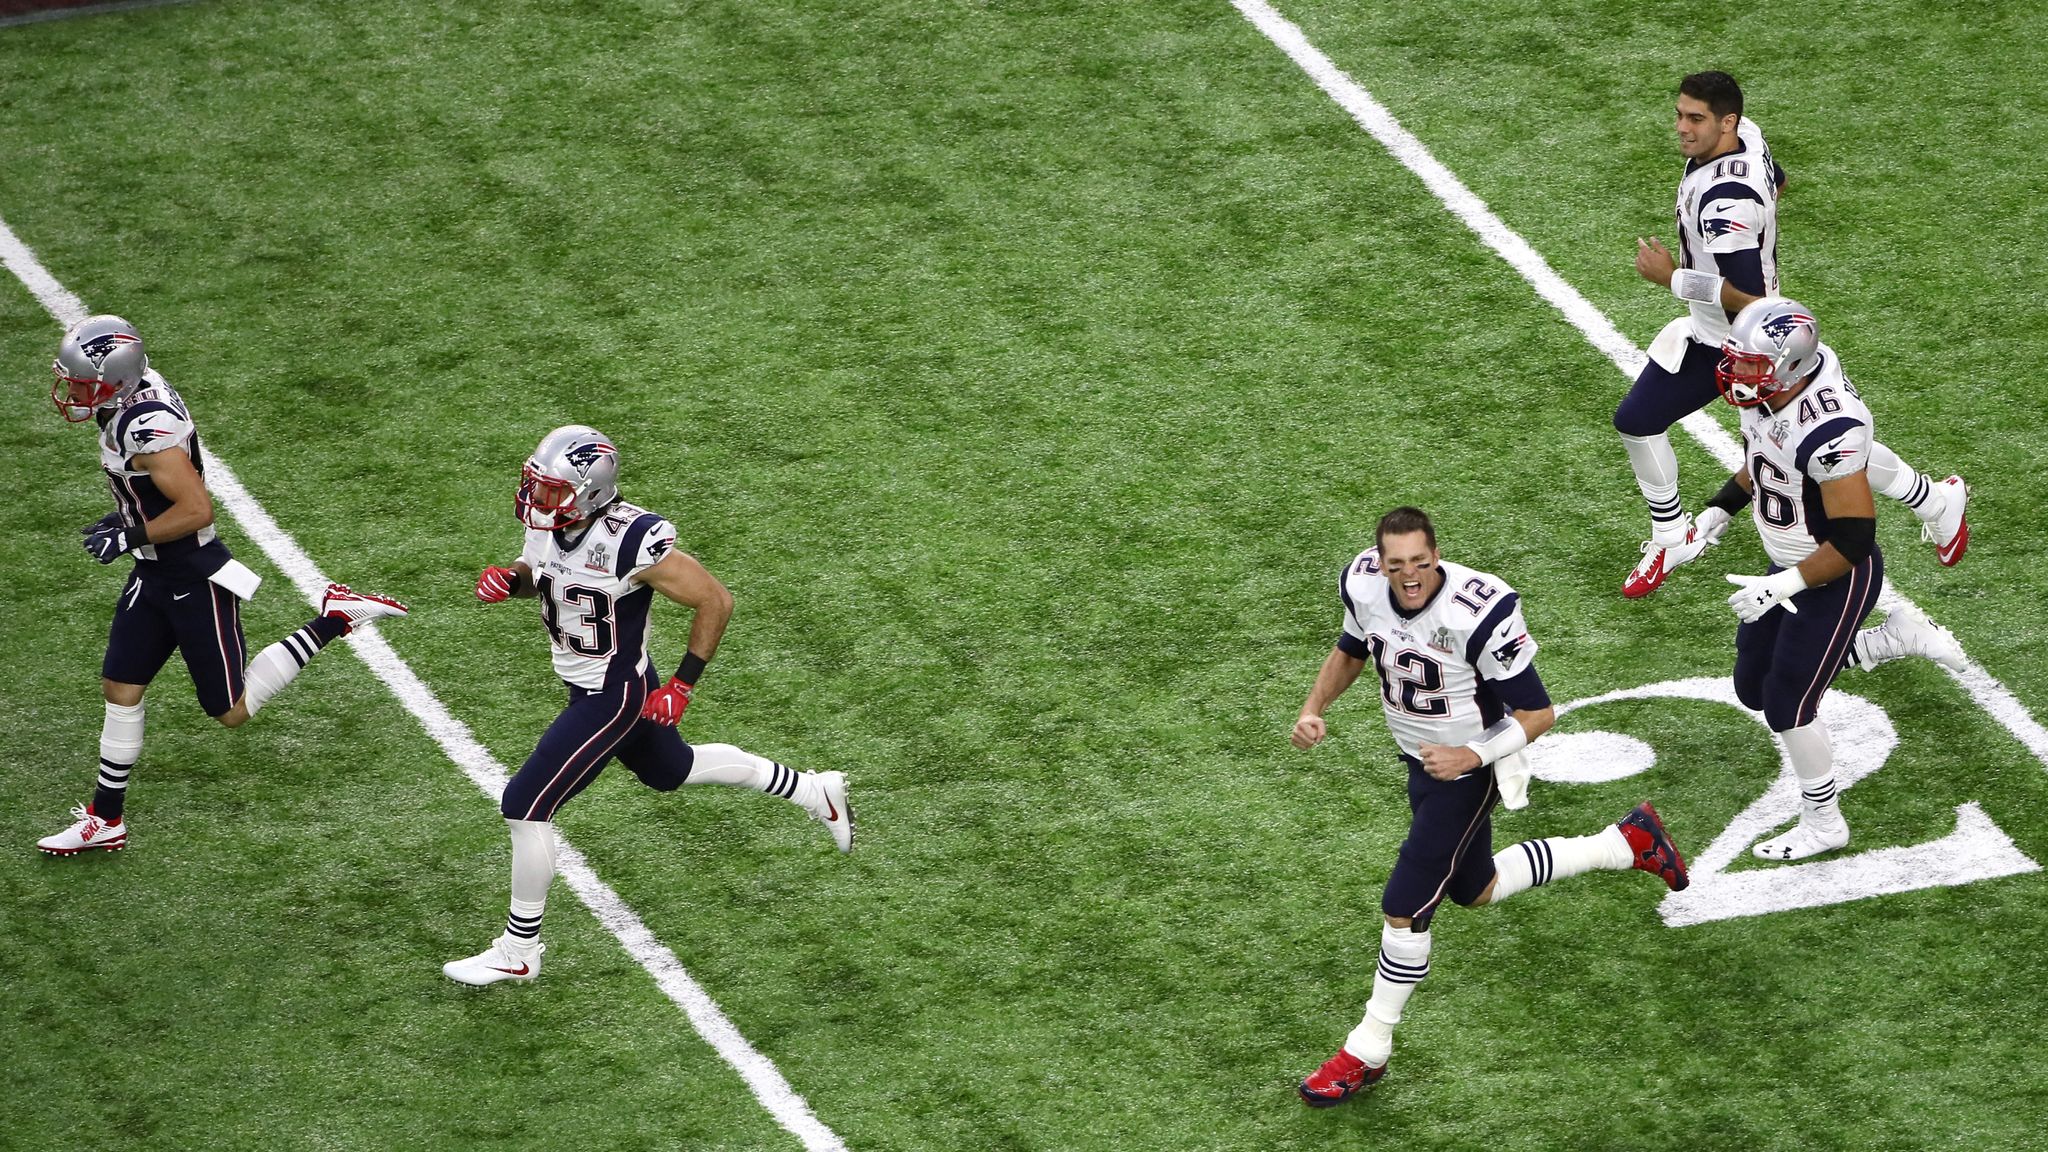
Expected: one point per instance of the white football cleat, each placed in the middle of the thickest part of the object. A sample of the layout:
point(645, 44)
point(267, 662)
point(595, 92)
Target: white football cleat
point(1949, 532)
point(1658, 561)
point(503, 960)
point(829, 804)
point(353, 608)
point(1907, 632)
point(1807, 838)
point(88, 833)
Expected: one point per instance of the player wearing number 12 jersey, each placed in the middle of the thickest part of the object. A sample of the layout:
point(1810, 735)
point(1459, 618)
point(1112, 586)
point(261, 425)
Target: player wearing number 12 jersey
point(1456, 672)
point(595, 563)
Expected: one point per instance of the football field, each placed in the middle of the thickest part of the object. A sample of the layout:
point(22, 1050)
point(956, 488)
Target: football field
point(1028, 371)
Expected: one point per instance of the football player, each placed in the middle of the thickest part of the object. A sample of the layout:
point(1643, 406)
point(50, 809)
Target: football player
point(595, 562)
point(185, 591)
point(1455, 668)
point(1728, 258)
point(1808, 439)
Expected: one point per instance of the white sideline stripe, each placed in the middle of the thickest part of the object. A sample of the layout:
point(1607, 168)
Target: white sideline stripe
point(775, 1094)
point(1984, 688)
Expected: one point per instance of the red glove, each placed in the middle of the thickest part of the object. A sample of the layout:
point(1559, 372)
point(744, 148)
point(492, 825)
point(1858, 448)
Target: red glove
point(665, 704)
point(495, 584)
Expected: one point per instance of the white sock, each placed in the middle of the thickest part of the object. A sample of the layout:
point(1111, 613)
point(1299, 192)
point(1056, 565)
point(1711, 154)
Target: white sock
point(275, 667)
point(1533, 863)
point(1404, 961)
point(739, 768)
point(1813, 762)
point(1656, 468)
point(1898, 480)
point(120, 748)
point(533, 872)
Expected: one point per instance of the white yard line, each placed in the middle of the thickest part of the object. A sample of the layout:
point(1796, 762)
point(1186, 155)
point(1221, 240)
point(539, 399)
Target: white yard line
point(1371, 115)
point(769, 1087)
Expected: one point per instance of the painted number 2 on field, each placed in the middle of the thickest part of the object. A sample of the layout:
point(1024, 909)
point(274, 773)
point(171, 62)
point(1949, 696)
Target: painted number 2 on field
point(1863, 738)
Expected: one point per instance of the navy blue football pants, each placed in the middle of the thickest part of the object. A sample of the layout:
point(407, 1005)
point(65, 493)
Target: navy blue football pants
point(197, 618)
point(1449, 849)
point(1659, 399)
point(595, 728)
point(1784, 663)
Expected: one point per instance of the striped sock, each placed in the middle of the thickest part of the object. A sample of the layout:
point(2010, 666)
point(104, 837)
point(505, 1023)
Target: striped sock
point(1404, 961)
point(120, 748)
point(523, 923)
point(277, 666)
point(735, 766)
point(1534, 863)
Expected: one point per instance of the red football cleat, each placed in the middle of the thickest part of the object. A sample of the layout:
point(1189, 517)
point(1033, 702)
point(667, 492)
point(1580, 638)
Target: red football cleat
point(1658, 561)
point(1339, 1077)
point(1950, 532)
point(1654, 851)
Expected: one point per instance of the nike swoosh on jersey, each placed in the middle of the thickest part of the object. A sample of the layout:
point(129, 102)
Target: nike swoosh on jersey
point(179, 595)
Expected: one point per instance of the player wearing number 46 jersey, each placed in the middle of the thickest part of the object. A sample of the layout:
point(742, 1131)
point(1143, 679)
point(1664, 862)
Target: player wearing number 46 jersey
point(1807, 439)
point(185, 592)
point(595, 563)
point(1727, 217)
point(1455, 667)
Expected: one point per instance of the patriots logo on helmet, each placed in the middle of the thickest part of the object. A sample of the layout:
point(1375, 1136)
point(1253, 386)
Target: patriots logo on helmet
point(584, 456)
point(1780, 327)
point(99, 347)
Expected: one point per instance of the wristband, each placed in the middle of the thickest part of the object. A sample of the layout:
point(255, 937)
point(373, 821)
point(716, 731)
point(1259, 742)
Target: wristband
point(1732, 497)
point(1504, 739)
point(1696, 287)
point(691, 668)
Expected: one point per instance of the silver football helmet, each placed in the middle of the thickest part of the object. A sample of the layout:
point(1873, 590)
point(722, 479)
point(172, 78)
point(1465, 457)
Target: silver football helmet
point(572, 476)
point(1772, 346)
point(101, 353)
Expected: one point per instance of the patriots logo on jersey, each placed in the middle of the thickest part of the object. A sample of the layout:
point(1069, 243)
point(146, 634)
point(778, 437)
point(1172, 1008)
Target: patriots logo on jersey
point(1832, 457)
point(147, 435)
point(1721, 226)
point(1506, 653)
point(660, 548)
point(585, 455)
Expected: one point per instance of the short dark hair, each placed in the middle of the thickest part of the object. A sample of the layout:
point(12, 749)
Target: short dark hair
point(1402, 521)
point(1718, 90)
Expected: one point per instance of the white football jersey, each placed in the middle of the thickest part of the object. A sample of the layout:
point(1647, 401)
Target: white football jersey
point(152, 418)
point(1728, 204)
point(595, 611)
point(1433, 666)
point(1824, 433)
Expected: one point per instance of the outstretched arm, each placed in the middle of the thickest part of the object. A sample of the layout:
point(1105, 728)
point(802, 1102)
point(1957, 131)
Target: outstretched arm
point(682, 579)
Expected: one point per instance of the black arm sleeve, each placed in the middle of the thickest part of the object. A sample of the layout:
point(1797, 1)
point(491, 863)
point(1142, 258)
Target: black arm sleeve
point(1732, 497)
point(1522, 692)
point(1744, 269)
point(1853, 536)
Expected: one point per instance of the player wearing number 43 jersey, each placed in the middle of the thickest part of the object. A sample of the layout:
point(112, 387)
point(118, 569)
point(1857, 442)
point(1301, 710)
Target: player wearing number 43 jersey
point(1727, 217)
point(595, 563)
point(1455, 666)
point(185, 593)
point(1807, 439)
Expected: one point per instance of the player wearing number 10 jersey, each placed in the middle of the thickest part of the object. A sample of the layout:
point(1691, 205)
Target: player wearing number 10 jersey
point(1456, 672)
point(595, 562)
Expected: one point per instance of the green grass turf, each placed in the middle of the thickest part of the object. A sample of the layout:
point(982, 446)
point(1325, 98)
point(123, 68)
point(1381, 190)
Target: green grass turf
point(1028, 370)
